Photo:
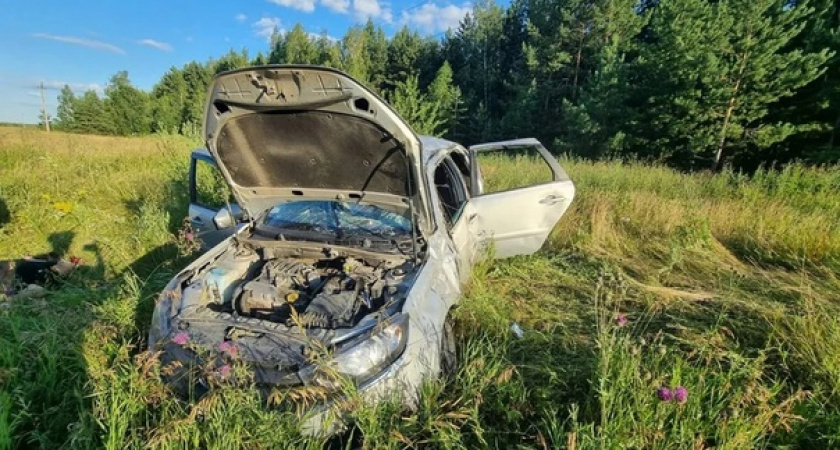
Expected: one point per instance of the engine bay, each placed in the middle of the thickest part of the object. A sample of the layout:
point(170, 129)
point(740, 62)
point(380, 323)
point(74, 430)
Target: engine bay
point(327, 292)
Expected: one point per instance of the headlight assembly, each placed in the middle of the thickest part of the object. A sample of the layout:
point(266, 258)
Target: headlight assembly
point(161, 316)
point(364, 357)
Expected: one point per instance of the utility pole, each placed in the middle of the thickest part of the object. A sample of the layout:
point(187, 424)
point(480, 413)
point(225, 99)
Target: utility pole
point(44, 113)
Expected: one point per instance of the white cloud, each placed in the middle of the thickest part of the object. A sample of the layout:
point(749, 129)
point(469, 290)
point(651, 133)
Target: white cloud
point(303, 5)
point(433, 18)
point(162, 46)
point(241, 18)
point(364, 9)
point(89, 43)
point(316, 36)
point(339, 6)
point(266, 26)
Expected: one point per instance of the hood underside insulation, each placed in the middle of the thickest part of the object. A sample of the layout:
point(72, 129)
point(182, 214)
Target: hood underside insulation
point(312, 149)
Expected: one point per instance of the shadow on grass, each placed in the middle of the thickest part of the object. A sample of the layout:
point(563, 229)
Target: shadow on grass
point(5, 214)
point(52, 349)
point(42, 371)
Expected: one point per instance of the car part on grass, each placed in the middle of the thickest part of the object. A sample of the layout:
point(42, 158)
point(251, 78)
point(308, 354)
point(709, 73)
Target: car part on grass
point(27, 277)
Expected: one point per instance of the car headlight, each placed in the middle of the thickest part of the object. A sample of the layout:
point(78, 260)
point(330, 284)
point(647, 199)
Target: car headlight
point(364, 357)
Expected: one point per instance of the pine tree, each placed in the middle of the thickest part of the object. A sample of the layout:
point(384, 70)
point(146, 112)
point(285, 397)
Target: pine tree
point(376, 46)
point(89, 115)
point(197, 79)
point(814, 109)
point(706, 98)
point(126, 106)
point(595, 122)
point(329, 51)
point(230, 61)
point(259, 60)
point(355, 54)
point(423, 114)
point(443, 93)
point(168, 98)
point(65, 112)
point(473, 51)
point(404, 50)
point(277, 53)
point(299, 47)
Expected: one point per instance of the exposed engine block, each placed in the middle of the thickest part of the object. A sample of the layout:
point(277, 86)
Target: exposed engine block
point(329, 293)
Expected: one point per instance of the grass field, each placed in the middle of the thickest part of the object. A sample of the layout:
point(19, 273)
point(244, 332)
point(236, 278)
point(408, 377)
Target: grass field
point(725, 285)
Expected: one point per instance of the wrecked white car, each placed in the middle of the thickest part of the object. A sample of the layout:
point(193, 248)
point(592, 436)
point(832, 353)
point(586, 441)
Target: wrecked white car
point(356, 236)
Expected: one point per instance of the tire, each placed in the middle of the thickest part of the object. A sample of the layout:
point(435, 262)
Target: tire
point(448, 352)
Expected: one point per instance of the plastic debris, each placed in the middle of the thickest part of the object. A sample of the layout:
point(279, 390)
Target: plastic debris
point(517, 330)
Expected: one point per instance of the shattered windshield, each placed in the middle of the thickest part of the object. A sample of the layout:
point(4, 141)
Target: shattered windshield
point(340, 219)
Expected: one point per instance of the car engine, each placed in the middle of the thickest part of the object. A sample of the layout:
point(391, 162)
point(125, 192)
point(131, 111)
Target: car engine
point(332, 292)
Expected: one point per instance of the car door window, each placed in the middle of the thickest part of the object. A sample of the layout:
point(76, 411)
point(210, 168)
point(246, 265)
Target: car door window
point(462, 163)
point(507, 168)
point(209, 187)
point(452, 192)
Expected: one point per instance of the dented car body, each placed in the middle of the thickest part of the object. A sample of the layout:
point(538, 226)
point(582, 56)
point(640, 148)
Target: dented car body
point(356, 236)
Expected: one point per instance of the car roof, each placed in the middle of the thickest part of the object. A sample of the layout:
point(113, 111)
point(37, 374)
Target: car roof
point(431, 147)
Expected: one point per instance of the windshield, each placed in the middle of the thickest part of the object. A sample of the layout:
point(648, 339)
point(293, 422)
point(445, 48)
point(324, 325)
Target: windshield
point(340, 219)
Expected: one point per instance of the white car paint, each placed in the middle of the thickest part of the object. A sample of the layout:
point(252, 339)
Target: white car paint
point(516, 222)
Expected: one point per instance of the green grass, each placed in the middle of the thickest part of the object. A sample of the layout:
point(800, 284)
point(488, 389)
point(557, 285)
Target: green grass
point(729, 284)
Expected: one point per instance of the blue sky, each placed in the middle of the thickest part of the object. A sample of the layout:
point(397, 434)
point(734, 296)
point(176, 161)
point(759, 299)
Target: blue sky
point(82, 43)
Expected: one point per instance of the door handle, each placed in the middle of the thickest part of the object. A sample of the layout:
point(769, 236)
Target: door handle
point(472, 218)
point(551, 199)
point(197, 220)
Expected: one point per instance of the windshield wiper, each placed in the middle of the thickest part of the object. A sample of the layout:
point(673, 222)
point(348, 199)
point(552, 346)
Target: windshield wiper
point(375, 241)
point(297, 230)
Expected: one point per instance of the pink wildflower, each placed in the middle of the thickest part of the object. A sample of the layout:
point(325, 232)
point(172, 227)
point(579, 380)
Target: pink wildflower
point(621, 320)
point(224, 370)
point(664, 394)
point(181, 339)
point(681, 394)
point(228, 347)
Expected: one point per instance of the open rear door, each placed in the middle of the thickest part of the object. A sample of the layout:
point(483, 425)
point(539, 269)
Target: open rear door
point(517, 207)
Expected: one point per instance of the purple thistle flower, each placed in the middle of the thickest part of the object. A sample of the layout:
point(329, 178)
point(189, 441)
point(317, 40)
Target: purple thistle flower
point(189, 236)
point(621, 320)
point(181, 338)
point(224, 370)
point(681, 394)
point(664, 394)
point(228, 347)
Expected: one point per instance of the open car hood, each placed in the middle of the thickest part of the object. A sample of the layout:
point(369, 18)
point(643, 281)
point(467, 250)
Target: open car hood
point(281, 133)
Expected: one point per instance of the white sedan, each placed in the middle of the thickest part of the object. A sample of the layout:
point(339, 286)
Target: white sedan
point(355, 239)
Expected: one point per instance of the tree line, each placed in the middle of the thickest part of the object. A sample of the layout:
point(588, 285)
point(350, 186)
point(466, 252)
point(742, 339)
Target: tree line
point(692, 83)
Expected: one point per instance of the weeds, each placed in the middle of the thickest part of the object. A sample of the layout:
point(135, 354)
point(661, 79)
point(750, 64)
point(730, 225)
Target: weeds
point(725, 286)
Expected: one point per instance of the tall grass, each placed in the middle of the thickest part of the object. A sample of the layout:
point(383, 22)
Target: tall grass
point(725, 285)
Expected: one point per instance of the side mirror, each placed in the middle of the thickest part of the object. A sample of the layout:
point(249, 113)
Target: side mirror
point(224, 218)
